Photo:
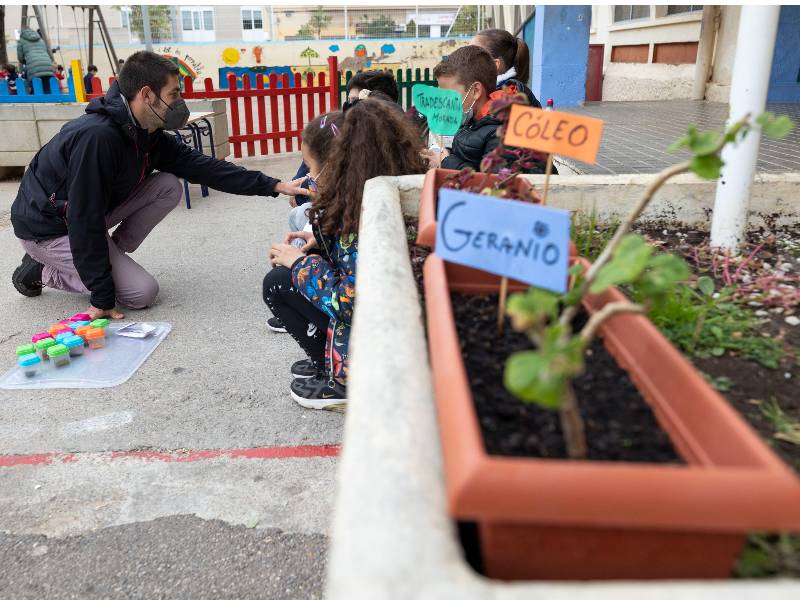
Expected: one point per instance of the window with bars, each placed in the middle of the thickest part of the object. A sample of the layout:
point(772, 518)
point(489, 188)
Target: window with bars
point(252, 24)
point(632, 12)
point(197, 23)
point(677, 9)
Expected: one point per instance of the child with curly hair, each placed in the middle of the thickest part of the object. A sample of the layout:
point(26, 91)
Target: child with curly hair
point(311, 290)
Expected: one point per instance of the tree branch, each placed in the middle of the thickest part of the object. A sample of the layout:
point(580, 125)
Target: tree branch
point(601, 316)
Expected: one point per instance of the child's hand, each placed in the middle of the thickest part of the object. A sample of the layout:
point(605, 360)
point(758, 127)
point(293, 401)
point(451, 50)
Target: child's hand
point(434, 158)
point(306, 236)
point(284, 255)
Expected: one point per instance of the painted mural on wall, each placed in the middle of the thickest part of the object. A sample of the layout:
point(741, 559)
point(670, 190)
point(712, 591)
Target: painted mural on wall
point(254, 73)
point(187, 65)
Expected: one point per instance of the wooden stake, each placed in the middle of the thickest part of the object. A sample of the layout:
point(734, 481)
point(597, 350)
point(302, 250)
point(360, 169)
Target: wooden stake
point(548, 171)
point(501, 305)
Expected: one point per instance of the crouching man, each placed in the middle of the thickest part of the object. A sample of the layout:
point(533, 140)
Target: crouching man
point(98, 173)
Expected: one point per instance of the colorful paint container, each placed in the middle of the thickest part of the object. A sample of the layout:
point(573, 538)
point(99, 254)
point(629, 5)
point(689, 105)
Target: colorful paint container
point(59, 354)
point(80, 317)
point(39, 336)
point(82, 331)
point(96, 338)
point(75, 345)
point(42, 346)
point(30, 364)
point(75, 324)
point(26, 349)
point(56, 329)
point(100, 323)
point(65, 322)
point(62, 336)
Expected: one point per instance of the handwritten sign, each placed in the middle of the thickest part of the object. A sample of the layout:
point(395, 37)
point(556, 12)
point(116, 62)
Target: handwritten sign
point(522, 241)
point(555, 132)
point(441, 107)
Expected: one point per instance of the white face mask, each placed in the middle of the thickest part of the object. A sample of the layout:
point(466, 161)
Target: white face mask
point(467, 114)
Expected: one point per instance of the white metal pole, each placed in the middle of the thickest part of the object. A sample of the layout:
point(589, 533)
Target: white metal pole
point(346, 24)
point(755, 43)
point(271, 24)
point(148, 38)
point(705, 51)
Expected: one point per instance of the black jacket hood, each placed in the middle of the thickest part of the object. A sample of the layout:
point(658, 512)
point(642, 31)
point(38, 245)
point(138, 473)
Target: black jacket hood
point(114, 106)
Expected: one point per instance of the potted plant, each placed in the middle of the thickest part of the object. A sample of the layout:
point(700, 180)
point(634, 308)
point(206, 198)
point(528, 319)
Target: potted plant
point(669, 494)
point(498, 176)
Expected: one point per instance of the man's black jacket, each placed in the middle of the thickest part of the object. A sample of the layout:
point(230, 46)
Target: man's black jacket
point(91, 166)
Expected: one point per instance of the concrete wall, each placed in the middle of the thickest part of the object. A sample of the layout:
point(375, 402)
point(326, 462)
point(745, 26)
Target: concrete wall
point(559, 49)
point(719, 88)
point(639, 81)
point(27, 127)
point(784, 85)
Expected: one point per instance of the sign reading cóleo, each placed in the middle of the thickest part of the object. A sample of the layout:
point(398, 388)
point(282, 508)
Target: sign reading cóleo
point(554, 132)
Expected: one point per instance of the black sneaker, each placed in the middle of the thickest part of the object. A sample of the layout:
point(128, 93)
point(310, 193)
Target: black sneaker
point(319, 392)
point(275, 325)
point(303, 369)
point(27, 277)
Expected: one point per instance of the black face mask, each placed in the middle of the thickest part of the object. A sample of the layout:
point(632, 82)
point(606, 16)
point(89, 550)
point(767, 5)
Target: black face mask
point(177, 114)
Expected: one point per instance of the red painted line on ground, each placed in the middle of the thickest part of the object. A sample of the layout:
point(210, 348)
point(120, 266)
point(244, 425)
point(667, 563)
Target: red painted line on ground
point(276, 452)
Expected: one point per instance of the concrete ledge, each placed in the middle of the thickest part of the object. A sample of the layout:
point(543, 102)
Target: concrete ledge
point(27, 127)
point(685, 199)
point(391, 537)
point(19, 136)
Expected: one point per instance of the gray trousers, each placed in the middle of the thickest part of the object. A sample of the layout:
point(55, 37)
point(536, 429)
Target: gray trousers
point(145, 208)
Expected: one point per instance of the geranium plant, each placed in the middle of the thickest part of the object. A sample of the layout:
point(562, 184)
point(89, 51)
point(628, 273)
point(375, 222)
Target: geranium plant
point(542, 375)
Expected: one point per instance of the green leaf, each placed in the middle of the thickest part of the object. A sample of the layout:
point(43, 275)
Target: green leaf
point(707, 167)
point(775, 127)
point(704, 143)
point(717, 351)
point(529, 377)
point(678, 144)
point(541, 376)
point(706, 285)
point(663, 272)
point(535, 306)
point(716, 331)
point(628, 262)
point(575, 270)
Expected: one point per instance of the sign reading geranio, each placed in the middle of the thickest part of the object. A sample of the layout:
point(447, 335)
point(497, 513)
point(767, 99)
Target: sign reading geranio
point(441, 107)
point(518, 240)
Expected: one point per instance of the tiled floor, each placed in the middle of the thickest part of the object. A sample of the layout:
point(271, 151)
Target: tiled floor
point(637, 134)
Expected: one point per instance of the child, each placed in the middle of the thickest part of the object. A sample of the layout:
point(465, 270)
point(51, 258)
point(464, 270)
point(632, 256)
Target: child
point(318, 138)
point(471, 72)
point(313, 295)
point(511, 58)
point(373, 81)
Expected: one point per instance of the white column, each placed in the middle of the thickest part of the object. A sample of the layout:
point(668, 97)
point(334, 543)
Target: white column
point(755, 43)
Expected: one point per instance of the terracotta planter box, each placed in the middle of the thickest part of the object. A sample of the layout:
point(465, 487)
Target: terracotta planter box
point(426, 233)
point(563, 519)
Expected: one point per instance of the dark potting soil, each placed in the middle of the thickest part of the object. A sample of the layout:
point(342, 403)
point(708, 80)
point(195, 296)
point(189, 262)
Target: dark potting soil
point(619, 424)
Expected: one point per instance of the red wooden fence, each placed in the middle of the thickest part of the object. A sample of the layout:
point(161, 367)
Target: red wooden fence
point(287, 116)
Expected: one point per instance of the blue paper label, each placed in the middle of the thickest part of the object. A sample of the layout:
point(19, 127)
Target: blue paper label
point(518, 240)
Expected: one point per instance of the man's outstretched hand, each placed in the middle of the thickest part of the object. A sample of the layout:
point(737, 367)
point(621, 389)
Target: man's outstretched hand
point(291, 188)
point(99, 313)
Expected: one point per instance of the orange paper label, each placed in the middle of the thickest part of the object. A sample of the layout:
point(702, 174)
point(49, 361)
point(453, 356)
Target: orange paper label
point(554, 132)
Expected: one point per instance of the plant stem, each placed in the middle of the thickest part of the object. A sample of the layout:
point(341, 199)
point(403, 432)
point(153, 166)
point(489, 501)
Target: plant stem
point(601, 316)
point(571, 311)
point(572, 425)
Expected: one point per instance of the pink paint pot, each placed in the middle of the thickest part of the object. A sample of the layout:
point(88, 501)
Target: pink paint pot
point(39, 336)
point(80, 317)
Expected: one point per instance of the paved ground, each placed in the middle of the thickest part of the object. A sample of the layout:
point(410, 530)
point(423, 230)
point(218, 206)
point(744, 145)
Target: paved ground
point(199, 477)
point(637, 134)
